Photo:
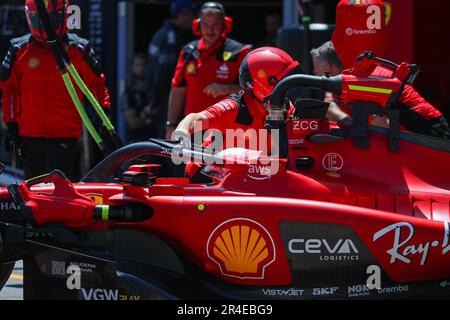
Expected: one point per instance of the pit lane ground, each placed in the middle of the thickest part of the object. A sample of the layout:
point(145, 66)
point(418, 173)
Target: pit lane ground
point(13, 288)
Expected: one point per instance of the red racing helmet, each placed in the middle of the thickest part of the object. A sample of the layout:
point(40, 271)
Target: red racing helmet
point(263, 68)
point(57, 11)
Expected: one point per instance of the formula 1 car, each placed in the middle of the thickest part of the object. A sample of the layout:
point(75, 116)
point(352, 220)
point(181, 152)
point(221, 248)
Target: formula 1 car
point(351, 212)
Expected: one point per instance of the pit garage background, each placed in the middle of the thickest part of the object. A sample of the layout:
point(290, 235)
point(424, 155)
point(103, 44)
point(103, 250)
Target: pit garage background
point(118, 29)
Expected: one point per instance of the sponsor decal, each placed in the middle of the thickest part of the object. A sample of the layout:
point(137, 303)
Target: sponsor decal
point(58, 268)
point(332, 162)
point(223, 72)
point(84, 266)
point(259, 172)
point(191, 68)
point(305, 125)
point(358, 290)
point(242, 248)
point(324, 291)
point(403, 250)
point(296, 141)
point(394, 289)
point(342, 250)
point(444, 284)
point(106, 294)
point(291, 292)
point(9, 206)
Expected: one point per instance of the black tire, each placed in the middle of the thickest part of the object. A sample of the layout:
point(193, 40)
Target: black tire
point(6, 268)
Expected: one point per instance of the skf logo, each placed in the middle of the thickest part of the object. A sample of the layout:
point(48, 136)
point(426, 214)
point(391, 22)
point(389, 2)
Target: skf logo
point(242, 248)
point(190, 68)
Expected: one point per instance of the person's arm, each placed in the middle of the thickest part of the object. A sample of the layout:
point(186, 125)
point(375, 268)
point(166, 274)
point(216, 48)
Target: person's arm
point(335, 113)
point(175, 109)
point(218, 89)
point(10, 102)
point(154, 51)
point(177, 96)
point(217, 116)
point(187, 125)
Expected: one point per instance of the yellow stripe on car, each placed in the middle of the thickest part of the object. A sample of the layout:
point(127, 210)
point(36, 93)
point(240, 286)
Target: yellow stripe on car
point(370, 89)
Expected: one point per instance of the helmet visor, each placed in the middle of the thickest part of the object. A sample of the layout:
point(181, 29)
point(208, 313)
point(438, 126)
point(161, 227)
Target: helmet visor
point(57, 19)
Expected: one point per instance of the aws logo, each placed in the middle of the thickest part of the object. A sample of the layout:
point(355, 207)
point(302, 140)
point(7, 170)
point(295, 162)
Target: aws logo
point(259, 172)
point(242, 248)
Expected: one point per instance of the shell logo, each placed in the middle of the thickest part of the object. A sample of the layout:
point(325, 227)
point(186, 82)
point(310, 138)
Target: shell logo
point(242, 248)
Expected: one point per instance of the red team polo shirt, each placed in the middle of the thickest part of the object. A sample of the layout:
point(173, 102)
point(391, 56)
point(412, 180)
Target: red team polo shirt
point(199, 67)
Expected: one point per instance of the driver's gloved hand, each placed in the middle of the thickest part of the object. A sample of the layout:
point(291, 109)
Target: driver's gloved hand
point(347, 121)
point(13, 133)
point(440, 128)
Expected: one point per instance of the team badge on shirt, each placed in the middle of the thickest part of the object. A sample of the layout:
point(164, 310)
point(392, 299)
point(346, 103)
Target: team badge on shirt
point(226, 55)
point(33, 63)
point(191, 68)
point(223, 72)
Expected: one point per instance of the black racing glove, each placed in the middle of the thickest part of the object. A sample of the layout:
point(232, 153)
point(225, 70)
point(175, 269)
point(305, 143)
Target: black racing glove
point(439, 128)
point(347, 121)
point(13, 132)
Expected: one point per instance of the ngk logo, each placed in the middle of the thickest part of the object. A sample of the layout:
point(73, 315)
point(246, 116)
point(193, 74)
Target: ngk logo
point(305, 125)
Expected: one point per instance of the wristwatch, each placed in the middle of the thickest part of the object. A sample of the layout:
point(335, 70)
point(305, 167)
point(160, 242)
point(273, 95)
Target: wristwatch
point(170, 125)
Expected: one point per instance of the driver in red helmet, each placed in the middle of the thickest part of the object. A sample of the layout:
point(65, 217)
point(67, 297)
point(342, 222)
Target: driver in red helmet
point(41, 117)
point(259, 73)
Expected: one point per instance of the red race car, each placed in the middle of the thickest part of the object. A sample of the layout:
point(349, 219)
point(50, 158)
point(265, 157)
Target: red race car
point(352, 212)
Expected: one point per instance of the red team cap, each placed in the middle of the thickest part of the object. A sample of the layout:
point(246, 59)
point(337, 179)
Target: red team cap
point(360, 27)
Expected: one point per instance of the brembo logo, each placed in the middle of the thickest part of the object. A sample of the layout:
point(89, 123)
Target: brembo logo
point(242, 248)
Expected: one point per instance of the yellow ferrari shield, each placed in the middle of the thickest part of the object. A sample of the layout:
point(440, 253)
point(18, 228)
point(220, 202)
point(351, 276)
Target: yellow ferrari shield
point(226, 55)
point(388, 12)
point(97, 198)
point(190, 68)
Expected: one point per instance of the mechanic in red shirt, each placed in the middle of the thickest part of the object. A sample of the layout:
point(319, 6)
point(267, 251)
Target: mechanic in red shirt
point(41, 117)
point(361, 27)
point(260, 71)
point(416, 114)
point(207, 69)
